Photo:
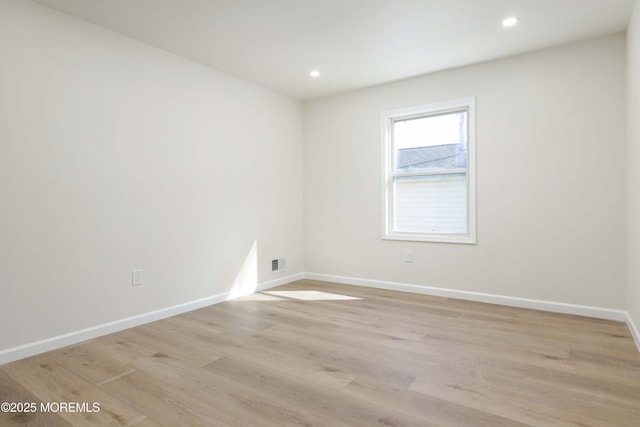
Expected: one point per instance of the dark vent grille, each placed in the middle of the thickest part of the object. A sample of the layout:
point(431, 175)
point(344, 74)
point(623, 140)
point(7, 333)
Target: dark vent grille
point(278, 265)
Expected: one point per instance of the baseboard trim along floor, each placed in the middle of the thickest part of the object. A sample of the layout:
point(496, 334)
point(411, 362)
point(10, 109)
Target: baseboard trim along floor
point(53, 343)
point(30, 349)
point(552, 306)
point(635, 333)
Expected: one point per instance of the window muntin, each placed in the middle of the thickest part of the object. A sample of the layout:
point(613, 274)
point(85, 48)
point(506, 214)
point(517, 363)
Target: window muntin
point(429, 189)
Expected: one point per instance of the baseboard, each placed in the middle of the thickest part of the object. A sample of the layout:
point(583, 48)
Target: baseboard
point(280, 281)
point(556, 307)
point(635, 332)
point(33, 348)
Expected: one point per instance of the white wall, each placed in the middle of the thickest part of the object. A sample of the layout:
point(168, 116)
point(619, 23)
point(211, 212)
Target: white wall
point(113, 155)
point(550, 179)
point(633, 169)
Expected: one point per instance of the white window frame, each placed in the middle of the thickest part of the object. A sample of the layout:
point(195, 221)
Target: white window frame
point(388, 203)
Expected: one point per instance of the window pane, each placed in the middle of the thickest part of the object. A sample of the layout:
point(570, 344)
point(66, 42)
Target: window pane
point(431, 143)
point(431, 204)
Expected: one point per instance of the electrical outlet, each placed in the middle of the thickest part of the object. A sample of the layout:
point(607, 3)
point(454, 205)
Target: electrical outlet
point(408, 255)
point(136, 277)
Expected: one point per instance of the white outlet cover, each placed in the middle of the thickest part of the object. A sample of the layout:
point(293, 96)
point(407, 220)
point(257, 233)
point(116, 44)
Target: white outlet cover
point(137, 277)
point(408, 255)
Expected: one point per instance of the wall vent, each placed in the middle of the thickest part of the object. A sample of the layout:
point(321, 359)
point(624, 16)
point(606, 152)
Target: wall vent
point(277, 265)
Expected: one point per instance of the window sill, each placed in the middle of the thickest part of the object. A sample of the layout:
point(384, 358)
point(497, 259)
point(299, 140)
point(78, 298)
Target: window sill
point(433, 238)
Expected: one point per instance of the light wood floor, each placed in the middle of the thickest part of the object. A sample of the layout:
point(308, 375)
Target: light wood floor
point(302, 354)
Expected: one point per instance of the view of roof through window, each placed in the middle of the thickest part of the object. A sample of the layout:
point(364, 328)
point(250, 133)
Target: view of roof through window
point(431, 142)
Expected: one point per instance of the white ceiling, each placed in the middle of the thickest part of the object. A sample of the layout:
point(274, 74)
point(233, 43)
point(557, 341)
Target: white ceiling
point(354, 43)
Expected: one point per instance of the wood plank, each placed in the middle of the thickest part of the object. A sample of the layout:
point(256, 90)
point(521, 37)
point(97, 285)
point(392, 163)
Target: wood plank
point(93, 366)
point(214, 398)
point(51, 383)
point(440, 412)
point(163, 403)
point(196, 351)
point(285, 391)
point(300, 354)
point(310, 370)
point(117, 347)
point(13, 392)
point(147, 422)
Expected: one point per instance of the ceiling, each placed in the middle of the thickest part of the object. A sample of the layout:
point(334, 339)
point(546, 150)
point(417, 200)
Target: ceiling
point(353, 43)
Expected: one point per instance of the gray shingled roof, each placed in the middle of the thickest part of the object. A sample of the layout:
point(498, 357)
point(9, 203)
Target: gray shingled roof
point(448, 156)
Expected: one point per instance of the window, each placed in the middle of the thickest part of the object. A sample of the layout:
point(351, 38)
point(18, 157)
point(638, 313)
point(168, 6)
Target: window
point(429, 176)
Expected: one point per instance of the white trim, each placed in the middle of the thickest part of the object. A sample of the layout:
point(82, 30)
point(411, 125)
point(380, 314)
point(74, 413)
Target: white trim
point(635, 332)
point(433, 238)
point(53, 343)
point(430, 173)
point(387, 119)
point(279, 282)
point(31, 349)
point(556, 307)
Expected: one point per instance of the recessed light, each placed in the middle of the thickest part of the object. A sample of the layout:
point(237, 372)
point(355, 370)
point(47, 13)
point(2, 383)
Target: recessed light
point(314, 73)
point(510, 22)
